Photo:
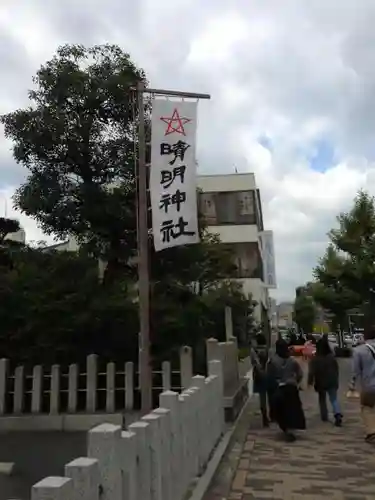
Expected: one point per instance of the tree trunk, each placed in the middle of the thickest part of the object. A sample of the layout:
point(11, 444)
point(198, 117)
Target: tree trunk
point(111, 272)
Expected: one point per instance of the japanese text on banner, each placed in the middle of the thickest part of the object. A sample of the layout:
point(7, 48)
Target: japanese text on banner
point(173, 184)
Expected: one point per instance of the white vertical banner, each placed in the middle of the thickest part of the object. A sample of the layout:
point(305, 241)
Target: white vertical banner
point(173, 182)
point(268, 255)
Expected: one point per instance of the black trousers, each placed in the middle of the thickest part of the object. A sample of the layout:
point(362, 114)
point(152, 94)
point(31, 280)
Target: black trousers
point(263, 402)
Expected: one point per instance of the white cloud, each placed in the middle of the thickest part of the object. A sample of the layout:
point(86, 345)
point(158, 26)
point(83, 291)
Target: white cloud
point(294, 72)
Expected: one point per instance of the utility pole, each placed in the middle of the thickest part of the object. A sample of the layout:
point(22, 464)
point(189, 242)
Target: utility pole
point(144, 365)
point(144, 361)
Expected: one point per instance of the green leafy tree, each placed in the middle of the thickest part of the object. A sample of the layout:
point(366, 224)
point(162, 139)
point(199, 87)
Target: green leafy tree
point(77, 139)
point(355, 237)
point(8, 226)
point(348, 268)
point(53, 309)
point(304, 313)
point(330, 290)
point(7, 246)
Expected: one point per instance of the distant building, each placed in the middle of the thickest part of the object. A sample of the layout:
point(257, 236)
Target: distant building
point(69, 245)
point(304, 289)
point(231, 205)
point(18, 236)
point(285, 315)
point(272, 312)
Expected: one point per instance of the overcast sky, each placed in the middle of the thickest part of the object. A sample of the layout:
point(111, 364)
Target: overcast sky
point(292, 85)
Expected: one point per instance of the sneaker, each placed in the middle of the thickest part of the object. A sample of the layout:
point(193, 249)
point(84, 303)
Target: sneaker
point(266, 423)
point(370, 438)
point(290, 437)
point(338, 420)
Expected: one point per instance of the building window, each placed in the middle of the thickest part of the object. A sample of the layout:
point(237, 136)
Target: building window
point(232, 208)
point(247, 258)
point(208, 208)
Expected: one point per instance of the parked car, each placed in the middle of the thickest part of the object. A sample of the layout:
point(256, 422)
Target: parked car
point(309, 349)
point(332, 338)
point(306, 350)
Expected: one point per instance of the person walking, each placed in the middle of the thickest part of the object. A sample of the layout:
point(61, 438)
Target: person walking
point(284, 376)
point(324, 375)
point(364, 377)
point(259, 359)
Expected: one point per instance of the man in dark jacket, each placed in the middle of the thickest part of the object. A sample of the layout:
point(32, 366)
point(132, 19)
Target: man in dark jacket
point(324, 375)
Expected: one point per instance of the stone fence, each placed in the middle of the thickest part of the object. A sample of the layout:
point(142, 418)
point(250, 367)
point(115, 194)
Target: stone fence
point(103, 389)
point(70, 390)
point(155, 458)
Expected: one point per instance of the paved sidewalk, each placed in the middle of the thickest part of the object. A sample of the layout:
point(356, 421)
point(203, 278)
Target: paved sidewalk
point(325, 462)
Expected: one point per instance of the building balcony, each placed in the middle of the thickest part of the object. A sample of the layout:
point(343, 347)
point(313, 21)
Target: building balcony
point(236, 234)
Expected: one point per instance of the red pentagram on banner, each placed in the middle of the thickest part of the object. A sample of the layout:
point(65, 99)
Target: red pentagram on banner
point(175, 123)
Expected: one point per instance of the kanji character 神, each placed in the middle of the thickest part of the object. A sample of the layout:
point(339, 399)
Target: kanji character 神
point(177, 199)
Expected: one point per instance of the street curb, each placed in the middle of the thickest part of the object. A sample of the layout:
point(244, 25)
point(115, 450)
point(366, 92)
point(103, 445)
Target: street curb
point(205, 480)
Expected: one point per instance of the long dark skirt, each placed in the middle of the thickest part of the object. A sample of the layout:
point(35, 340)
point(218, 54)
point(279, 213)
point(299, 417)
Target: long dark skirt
point(286, 408)
point(259, 383)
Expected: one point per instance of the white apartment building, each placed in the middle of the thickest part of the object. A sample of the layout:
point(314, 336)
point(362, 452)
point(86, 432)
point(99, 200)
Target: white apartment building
point(232, 207)
point(18, 236)
point(69, 245)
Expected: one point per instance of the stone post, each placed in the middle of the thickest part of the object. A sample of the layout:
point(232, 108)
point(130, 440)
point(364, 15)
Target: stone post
point(194, 436)
point(84, 473)
point(213, 350)
point(215, 368)
point(212, 403)
point(104, 445)
point(187, 430)
point(234, 347)
point(110, 387)
point(142, 432)
point(91, 383)
point(169, 400)
point(54, 401)
point(4, 368)
point(166, 375)
point(72, 388)
point(129, 385)
point(228, 323)
point(53, 488)
point(154, 422)
point(166, 451)
point(200, 383)
point(186, 366)
point(129, 464)
point(18, 396)
point(36, 391)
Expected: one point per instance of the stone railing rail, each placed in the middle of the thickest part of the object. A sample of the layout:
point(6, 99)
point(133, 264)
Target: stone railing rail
point(55, 390)
point(155, 458)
